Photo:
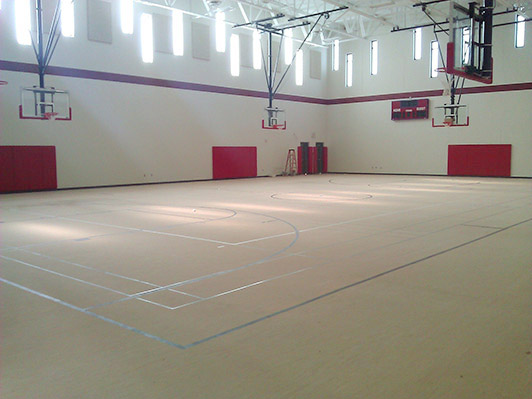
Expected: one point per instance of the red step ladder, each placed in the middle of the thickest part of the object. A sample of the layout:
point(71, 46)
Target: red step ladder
point(290, 168)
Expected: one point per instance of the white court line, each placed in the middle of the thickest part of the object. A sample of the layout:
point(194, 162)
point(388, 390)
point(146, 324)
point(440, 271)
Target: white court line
point(220, 273)
point(152, 303)
point(106, 272)
point(187, 237)
point(95, 315)
point(338, 224)
point(89, 268)
point(142, 230)
point(64, 275)
point(185, 293)
point(132, 229)
point(82, 282)
point(244, 287)
point(142, 293)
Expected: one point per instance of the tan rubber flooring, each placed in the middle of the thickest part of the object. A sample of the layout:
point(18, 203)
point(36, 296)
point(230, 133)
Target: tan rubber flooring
point(330, 286)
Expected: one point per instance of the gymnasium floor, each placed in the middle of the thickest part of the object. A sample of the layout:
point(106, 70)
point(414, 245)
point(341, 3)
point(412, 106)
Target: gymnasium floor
point(330, 286)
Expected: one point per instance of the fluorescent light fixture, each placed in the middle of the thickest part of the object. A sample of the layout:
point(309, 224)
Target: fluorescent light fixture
point(257, 50)
point(235, 54)
point(67, 18)
point(146, 37)
point(23, 21)
point(299, 68)
point(434, 59)
point(336, 55)
point(220, 32)
point(417, 43)
point(288, 47)
point(466, 37)
point(349, 70)
point(520, 31)
point(177, 32)
point(374, 57)
point(126, 16)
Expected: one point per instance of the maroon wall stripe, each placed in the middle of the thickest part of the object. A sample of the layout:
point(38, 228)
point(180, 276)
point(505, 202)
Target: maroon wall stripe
point(384, 97)
point(142, 80)
point(431, 93)
point(175, 84)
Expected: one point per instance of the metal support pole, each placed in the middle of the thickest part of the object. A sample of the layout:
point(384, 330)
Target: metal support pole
point(270, 71)
point(40, 43)
point(487, 27)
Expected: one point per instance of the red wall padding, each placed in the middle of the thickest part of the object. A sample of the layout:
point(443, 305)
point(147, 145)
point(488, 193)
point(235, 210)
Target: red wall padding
point(312, 160)
point(232, 162)
point(479, 160)
point(325, 160)
point(299, 160)
point(27, 168)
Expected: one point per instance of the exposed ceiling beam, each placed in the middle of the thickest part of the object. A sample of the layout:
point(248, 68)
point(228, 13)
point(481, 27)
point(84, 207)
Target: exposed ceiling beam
point(357, 11)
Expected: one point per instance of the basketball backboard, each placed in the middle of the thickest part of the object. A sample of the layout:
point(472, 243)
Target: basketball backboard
point(469, 51)
point(46, 103)
point(450, 115)
point(274, 119)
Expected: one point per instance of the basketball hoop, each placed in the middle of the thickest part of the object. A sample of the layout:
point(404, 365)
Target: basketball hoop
point(448, 121)
point(50, 116)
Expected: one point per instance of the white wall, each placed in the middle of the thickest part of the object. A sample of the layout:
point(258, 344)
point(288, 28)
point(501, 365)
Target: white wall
point(362, 137)
point(128, 133)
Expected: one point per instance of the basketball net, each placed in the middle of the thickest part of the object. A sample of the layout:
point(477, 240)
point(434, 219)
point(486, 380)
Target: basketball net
point(448, 120)
point(50, 116)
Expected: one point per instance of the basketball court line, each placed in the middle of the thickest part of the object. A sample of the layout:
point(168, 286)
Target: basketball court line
point(381, 247)
point(244, 287)
point(63, 275)
point(346, 287)
point(161, 288)
point(216, 274)
point(128, 229)
point(263, 318)
point(171, 287)
point(234, 213)
point(89, 268)
point(92, 314)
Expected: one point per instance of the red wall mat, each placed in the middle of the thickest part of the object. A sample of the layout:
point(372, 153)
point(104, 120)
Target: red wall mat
point(479, 160)
point(325, 159)
point(233, 162)
point(27, 168)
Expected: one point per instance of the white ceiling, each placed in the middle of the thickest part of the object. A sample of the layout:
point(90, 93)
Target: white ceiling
point(362, 18)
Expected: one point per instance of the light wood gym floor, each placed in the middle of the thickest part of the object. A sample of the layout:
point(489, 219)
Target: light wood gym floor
point(330, 286)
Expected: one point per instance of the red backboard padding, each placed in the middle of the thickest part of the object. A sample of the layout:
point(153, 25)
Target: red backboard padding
point(479, 160)
point(233, 162)
point(27, 168)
